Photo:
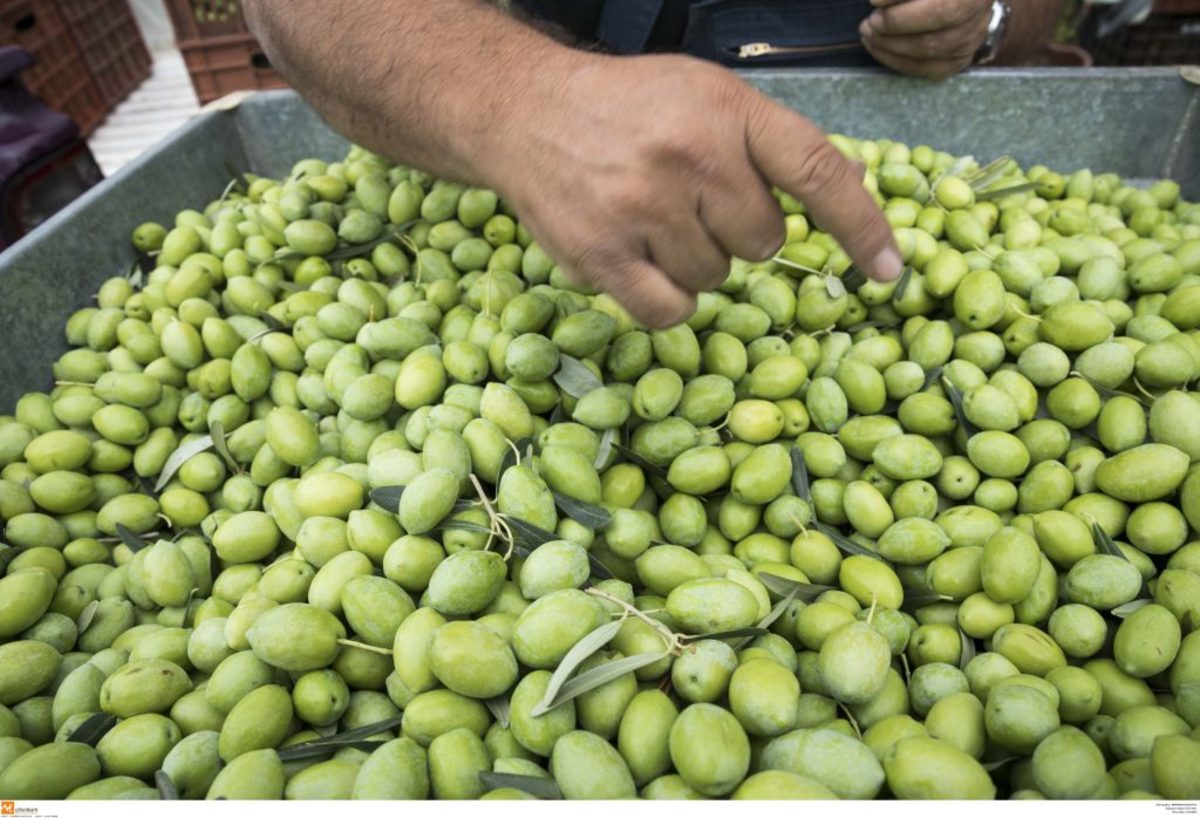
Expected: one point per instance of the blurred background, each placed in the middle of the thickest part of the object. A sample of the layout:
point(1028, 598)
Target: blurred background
point(88, 85)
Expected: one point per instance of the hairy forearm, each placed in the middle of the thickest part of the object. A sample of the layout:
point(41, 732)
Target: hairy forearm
point(1032, 24)
point(443, 86)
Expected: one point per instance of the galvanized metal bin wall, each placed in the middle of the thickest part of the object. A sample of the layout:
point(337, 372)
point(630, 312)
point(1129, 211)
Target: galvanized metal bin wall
point(1142, 123)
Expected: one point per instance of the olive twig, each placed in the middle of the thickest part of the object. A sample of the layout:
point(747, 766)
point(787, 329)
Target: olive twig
point(350, 643)
point(673, 642)
point(853, 723)
point(499, 527)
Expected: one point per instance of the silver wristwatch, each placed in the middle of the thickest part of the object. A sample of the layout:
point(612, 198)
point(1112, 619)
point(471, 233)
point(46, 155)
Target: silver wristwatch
point(997, 25)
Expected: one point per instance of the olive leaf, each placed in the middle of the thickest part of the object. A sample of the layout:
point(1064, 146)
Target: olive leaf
point(844, 543)
point(165, 786)
point(1000, 193)
point(181, 455)
point(586, 514)
point(633, 457)
point(273, 323)
point(902, 284)
point(217, 432)
point(769, 620)
point(920, 597)
point(930, 377)
point(574, 378)
point(968, 649)
point(86, 616)
point(1104, 543)
point(581, 650)
point(1124, 611)
point(604, 451)
point(543, 788)
point(500, 709)
point(388, 498)
point(93, 728)
point(8, 555)
point(834, 286)
point(1106, 392)
point(800, 482)
point(358, 737)
point(852, 280)
point(527, 536)
point(736, 633)
point(597, 676)
point(992, 766)
point(131, 540)
point(989, 174)
point(960, 412)
point(461, 525)
point(804, 591)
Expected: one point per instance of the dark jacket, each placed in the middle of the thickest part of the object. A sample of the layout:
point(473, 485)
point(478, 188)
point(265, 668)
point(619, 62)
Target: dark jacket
point(743, 33)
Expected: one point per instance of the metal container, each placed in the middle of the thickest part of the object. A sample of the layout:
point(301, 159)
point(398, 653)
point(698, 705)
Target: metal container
point(1141, 123)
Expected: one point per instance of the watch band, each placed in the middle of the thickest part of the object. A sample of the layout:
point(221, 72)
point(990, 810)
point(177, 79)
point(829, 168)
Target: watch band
point(997, 25)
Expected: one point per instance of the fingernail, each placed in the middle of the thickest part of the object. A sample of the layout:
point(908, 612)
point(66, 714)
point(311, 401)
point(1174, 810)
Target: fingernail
point(887, 265)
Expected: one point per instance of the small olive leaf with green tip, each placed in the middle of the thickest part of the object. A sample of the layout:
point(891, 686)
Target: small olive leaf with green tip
point(181, 455)
point(633, 457)
point(597, 676)
point(1124, 611)
point(165, 786)
point(543, 788)
point(131, 540)
point(902, 284)
point(350, 738)
point(93, 728)
point(992, 766)
point(581, 650)
point(804, 591)
point(844, 543)
point(604, 450)
point(273, 323)
point(1000, 193)
point(500, 710)
point(217, 432)
point(920, 597)
point(1104, 543)
point(86, 616)
point(586, 514)
point(989, 174)
point(574, 378)
point(388, 498)
point(960, 413)
point(800, 482)
point(968, 649)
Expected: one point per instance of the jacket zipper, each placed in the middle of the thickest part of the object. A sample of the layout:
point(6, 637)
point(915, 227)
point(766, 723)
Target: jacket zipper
point(752, 50)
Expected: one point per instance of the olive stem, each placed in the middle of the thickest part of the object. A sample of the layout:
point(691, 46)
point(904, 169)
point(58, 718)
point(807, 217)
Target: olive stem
point(350, 643)
point(491, 512)
point(853, 723)
point(674, 644)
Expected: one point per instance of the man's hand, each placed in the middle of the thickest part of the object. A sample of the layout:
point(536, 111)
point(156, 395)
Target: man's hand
point(647, 173)
point(640, 175)
point(926, 38)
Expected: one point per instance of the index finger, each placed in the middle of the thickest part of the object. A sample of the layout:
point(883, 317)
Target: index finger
point(794, 155)
point(920, 16)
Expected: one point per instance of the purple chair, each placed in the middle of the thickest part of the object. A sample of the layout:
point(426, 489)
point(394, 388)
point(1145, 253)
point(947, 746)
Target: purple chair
point(44, 164)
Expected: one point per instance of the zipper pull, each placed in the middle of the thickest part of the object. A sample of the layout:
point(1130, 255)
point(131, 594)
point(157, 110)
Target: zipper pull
point(754, 50)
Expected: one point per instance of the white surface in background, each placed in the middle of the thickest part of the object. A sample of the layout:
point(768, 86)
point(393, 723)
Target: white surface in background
point(156, 26)
point(159, 105)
